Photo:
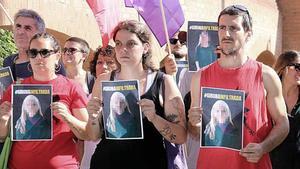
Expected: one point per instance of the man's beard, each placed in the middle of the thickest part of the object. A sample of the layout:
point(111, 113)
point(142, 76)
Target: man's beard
point(178, 55)
point(229, 52)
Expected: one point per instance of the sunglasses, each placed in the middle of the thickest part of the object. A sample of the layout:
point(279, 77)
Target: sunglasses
point(241, 8)
point(71, 51)
point(173, 41)
point(108, 51)
point(44, 53)
point(296, 66)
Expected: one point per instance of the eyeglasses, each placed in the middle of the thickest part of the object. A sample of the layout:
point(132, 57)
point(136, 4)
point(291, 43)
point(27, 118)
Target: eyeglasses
point(296, 66)
point(71, 51)
point(173, 41)
point(32, 53)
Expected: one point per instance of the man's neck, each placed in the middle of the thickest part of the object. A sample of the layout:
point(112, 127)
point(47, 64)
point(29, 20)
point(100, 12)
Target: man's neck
point(22, 57)
point(233, 61)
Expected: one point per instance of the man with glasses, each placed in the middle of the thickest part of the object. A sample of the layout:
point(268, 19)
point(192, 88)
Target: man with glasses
point(74, 53)
point(26, 24)
point(265, 123)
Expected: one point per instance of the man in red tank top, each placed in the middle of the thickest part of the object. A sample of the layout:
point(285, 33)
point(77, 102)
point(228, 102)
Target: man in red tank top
point(265, 124)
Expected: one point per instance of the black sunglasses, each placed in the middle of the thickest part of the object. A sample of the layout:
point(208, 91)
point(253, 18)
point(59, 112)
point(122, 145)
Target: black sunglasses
point(242, 8)
point(107, 51)
point(296, 65)
point(32, 53)
point(71, 51)
point(173, 41)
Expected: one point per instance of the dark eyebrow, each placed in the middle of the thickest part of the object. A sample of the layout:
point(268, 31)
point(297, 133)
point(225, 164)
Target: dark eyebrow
point(28, 27)
point(18, 25)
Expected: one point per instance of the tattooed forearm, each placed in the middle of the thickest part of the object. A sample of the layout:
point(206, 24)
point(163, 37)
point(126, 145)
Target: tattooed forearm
point(166, 132)
point(173, 118)
point(74, 128)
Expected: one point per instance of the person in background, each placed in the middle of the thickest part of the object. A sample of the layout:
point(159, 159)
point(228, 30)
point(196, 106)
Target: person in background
point(264, 103)
point(74, 53)
point(133, 57)
point(179, 50)
point(26, 24)
point(103, 62)
point(287, 154)
point(69, 112)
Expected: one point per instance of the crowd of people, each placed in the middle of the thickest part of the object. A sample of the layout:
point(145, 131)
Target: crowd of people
point(171, 114)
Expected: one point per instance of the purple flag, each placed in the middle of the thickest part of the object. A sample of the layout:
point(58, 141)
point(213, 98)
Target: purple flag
point(150, 12)
point(128, 3)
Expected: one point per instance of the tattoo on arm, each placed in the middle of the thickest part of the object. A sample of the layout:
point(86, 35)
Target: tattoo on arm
point(166, 132)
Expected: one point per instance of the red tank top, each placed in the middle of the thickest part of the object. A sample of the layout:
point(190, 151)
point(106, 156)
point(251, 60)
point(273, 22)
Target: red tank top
point(257, 122)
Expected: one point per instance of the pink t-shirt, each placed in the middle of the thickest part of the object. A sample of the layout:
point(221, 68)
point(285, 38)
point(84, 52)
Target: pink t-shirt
point(257, 123)
point(60, 153)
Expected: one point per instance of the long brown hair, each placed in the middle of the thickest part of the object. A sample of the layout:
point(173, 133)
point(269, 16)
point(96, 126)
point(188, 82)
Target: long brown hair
point(143, 33)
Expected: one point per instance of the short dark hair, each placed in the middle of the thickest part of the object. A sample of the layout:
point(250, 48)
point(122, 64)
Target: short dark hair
point(54, 42)
point(284, 59)
point(84, 45)
point(238, 10)
point(39, 21)
point(103, 51)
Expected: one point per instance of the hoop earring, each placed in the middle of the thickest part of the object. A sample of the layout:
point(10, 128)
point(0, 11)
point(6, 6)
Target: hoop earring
point(57, 67)
point(29, 68)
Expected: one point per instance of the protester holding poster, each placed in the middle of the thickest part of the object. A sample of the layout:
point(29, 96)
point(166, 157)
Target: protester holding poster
point(69, 112)
point(162, 118)
point(266, 123)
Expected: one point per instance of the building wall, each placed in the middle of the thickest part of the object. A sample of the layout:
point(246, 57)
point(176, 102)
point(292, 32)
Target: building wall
point(290, 11)
point(65, 17)
point(265, 14)
point(74, 18)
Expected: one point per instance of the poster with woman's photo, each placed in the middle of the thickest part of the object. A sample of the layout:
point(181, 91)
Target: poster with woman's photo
point(222, 119)
point(202, 40)
point(32, 116)
point(122, 116)
point(6, 79)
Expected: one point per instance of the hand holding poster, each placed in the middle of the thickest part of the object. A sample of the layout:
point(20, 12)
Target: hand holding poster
point(32, 115)
point(121, 114)
point(222, 119)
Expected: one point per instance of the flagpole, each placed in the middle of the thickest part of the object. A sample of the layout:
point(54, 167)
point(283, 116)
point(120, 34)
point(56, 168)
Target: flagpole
point(6, 13)
point(165, 25)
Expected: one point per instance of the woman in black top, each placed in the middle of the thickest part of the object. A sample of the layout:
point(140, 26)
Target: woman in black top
point(162, 118)
point(287, 154)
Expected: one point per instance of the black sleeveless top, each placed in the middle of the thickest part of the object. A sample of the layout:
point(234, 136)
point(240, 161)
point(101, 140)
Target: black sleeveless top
point(148, 153)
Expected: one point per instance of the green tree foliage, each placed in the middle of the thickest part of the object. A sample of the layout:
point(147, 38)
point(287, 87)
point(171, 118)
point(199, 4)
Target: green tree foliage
point(7, 45)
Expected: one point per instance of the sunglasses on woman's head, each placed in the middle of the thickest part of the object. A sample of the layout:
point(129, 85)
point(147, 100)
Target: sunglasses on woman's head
point(106, 51)
point(32, 53)
point(173, 41)
point(296, 66)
